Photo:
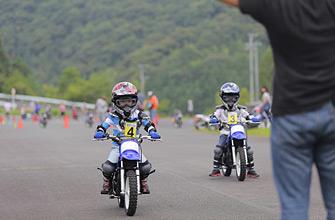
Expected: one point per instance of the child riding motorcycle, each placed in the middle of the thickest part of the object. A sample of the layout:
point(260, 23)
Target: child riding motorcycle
point(229, 94)
point(125, 109)
point(178, 118)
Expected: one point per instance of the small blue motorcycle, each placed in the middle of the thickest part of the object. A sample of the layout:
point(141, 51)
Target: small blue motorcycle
point(235, 156)
point(125, 181)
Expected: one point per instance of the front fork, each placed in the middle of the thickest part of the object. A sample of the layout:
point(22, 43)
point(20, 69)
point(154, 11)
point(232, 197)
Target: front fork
point(245, 152)
point(234, 151)
point(122, 176)
point(138, 178)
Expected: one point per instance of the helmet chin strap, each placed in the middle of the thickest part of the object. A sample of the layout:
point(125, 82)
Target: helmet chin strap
point(127, 114)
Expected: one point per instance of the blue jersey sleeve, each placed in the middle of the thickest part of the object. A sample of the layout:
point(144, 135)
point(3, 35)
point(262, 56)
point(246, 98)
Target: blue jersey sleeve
point(110, 121)
point(147, 123)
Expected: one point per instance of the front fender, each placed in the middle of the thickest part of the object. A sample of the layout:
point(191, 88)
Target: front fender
point(130, 150)
point(238, 132)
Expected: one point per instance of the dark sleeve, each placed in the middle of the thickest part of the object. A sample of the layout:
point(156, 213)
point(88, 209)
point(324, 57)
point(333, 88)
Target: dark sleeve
point(258, 9)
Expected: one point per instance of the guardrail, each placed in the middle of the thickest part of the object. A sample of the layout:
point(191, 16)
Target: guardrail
point(45, 100)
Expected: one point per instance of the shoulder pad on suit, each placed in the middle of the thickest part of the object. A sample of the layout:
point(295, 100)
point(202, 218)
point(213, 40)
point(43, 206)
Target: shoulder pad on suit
point(220, 107)
point(143, 115)
point(113, 115)
point(242, 107)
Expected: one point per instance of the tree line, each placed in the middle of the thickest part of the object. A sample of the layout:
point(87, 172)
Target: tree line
point(78, 49)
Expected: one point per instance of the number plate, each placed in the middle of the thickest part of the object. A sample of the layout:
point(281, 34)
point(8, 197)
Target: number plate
point(130, 129)
point(232, 118)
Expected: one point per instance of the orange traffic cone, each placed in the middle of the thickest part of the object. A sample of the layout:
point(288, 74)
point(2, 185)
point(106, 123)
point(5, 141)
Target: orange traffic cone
point(66, 121)
point(20, 123)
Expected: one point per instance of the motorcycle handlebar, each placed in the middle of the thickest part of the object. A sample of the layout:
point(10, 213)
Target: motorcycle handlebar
point(214, 124)
point(119, 139)
point(221, 123)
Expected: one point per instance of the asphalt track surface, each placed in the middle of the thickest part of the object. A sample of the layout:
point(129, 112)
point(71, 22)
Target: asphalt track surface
point(51, 174)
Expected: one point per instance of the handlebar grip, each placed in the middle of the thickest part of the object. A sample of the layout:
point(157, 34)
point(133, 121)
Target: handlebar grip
point(99, 139)
point(213, 124)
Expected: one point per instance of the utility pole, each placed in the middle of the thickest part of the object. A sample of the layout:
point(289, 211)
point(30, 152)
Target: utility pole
point(251, 67)
point(13, 93)
point(142, 77)
point(252, 47)
point(256, 56)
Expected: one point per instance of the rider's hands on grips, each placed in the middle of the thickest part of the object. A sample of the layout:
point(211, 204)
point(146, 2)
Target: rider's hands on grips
point(154, 135)
point(255, 119)
point(213, 120)
point(99, 134)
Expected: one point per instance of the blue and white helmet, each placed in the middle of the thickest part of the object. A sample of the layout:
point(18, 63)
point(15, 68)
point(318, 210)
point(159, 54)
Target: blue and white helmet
point(230, 94)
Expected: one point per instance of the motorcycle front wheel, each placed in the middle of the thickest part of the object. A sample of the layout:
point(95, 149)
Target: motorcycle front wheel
point(241, 165)
point(130, 196)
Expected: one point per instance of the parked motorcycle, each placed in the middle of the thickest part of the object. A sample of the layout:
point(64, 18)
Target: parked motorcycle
point(125, 181)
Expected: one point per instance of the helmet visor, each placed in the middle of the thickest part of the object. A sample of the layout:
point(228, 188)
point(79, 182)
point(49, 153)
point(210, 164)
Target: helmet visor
point(230, 99)
point(126, 102)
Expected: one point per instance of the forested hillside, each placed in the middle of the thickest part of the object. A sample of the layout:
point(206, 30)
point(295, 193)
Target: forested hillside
point(79, 48)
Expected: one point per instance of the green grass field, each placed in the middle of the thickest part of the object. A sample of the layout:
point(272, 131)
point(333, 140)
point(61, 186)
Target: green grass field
point(258, 132)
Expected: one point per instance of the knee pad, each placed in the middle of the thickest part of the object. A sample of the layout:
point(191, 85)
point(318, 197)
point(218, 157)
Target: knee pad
point(145, 169)
point(108, 168)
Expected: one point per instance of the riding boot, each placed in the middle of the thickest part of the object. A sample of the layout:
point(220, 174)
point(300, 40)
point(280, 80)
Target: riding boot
point(144, 186)
point(105, 186)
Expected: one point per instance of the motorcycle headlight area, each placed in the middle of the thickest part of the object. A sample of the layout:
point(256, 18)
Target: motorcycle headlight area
point(237, 132)
point(130, 150)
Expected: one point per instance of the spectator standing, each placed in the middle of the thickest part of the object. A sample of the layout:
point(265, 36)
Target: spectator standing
point(265, 106)
point(62, 109)
point(101, 108)
point(8, 109)
point(302, 36)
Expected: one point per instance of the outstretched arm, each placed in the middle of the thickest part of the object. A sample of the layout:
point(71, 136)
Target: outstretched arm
point(234, 3)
